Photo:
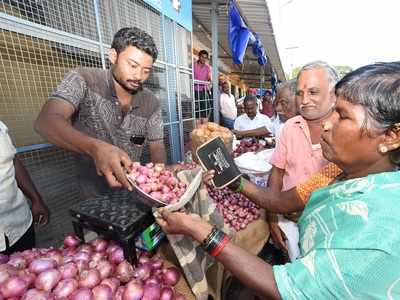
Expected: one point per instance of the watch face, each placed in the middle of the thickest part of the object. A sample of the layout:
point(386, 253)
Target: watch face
point(137, 139)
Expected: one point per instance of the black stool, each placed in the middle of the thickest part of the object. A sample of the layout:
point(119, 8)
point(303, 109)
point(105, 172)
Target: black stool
point(116, 216)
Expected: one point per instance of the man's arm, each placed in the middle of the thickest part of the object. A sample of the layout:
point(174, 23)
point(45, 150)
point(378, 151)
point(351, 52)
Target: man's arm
point(54, 124)
point(157, 152)
point(261, 131)
point(24, 181)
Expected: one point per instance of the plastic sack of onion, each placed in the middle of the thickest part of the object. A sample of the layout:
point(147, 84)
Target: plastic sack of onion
point(93, 271)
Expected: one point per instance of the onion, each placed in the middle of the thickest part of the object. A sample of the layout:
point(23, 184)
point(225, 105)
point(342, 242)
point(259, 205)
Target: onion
point(34, 294)
point(102, 292)
point(39, 265)
point(98, 256)
point(99, 245)
point(89, 278)
point(124, 271)
point(111, 247)
point(56, 255)
point(152, 292)
point(105, 268)
point(82, 265)
point(65, 288)
point(72, 241)
point(18, 261)
point(156, 263)
point(47, 280)
point(13, 287)
point(82, 294)
point(119, 293)
point(141, 179)
point(6, 271)
point(3, 259)
point(171, 276)
point(167, 293)
point(143, 271)
point(82, 255)
point(117, 256)
point(153, 280)
point(27, 276)
point(69, 270)
point(86, 248)
point(133, 291)
point(143, 260)
point(112, 282)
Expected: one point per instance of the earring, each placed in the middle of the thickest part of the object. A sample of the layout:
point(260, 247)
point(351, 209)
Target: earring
point(382, 149)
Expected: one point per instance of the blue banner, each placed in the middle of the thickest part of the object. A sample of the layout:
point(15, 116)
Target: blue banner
point(178, 10)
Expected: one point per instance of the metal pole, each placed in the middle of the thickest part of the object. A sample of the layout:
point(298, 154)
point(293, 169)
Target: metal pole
point(98, 27)
point(214, 50)
point(262, 77)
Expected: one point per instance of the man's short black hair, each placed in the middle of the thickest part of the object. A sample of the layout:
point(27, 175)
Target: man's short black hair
point(250, 98)
point(133, 36)
point(202, 52)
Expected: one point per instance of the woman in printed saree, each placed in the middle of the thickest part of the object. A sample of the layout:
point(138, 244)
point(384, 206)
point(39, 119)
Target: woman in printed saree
point(349, 236)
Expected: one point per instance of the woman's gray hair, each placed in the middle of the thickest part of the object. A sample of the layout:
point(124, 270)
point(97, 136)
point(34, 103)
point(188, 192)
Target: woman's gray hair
point(333, 75)
point(291, 85)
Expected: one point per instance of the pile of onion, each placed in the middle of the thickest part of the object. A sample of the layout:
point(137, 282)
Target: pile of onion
point(158, 182)
point(248, 145)
point(93, 271)
point(238, 211)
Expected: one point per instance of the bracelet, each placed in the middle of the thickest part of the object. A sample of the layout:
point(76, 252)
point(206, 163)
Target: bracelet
point(240, 188)
point(209, 238)
point(217, 250)
point(213, 241)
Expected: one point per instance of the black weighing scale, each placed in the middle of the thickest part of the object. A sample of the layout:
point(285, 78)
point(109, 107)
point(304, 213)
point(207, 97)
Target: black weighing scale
point(117, 216)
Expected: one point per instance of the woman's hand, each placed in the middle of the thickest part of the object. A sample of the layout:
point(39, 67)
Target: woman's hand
point(183, 223)
point(208, 176)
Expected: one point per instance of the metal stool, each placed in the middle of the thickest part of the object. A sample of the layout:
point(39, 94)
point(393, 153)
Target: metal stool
point(116, 216)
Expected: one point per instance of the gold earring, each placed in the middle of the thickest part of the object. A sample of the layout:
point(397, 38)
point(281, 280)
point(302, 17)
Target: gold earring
point(382, 149)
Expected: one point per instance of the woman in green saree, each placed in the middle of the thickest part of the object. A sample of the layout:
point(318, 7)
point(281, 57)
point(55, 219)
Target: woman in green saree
point(349, 239)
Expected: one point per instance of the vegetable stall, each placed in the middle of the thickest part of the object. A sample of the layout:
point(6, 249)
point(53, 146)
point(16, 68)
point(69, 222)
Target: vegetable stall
point(120, 263)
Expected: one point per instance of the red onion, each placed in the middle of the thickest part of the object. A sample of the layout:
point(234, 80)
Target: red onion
point(3, 259)
point(143, 260)
point(111, 247)
point(98, 256)
point(171, 276)
point(72, 241)
point(152, 292)
point(102, 292)
point(27, 276)
point(105, 268)
point(156, 263)
point(34, 294)
point(39, 265)
point(112, 282)
point(133, 291)
point(119, 293)
point(89, 278)
point(153, 280)
point(86, 248)
point(82, 294)
point(6, 271)
point(143, 271)
point(65, 288)
point(69, 270)
point(82, 265)
point(56, 255)
point(117, 256)
point(167, 293)
point(18, 261)
point(47, 280)
point(99, 245)
point(82, 255)
point(124, 271)
point(13, 287)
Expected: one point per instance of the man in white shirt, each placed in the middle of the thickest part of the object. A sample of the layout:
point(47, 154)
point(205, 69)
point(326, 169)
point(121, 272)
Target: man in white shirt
point(252, 123)
point(16, 225)
point(227, 105)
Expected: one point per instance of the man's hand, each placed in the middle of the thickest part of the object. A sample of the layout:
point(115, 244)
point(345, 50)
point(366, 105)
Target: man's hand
point(111, 162)
point(277, 235)
point(237, 133)
point(208, 176)
point(40, 212)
